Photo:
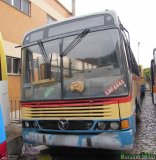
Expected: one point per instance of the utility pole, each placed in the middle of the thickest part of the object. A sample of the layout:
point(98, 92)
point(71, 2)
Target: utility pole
point(138, 52)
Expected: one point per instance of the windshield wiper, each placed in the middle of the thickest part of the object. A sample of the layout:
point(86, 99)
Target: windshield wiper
point(47, 60)
point(43, 52)
point(75, 42)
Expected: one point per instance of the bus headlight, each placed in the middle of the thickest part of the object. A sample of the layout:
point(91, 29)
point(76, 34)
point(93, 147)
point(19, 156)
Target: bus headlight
point(26, 124)
point(34, 124)
point(114, 125)
point(101, 125)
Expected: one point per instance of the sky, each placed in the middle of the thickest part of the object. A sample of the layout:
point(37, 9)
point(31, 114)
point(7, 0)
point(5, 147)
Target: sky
point(138, 17)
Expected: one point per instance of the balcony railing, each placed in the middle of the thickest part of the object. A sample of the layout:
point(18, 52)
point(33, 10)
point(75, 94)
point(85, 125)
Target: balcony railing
point(15, 112)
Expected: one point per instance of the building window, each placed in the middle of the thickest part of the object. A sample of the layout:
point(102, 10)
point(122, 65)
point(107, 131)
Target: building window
point(25, 6)
point(9, 65)
point(8, 1)
point(22, 5)
point(17, 4)
point(50, 19)
point(13, 65)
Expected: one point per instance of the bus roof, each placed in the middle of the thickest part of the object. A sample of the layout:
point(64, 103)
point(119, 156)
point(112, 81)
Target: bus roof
point(106, 19)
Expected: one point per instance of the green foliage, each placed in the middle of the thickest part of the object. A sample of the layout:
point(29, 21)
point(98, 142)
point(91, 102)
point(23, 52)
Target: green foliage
point(147, 74)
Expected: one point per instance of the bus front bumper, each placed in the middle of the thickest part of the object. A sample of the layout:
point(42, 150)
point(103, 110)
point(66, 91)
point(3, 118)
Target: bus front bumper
point(121, 140)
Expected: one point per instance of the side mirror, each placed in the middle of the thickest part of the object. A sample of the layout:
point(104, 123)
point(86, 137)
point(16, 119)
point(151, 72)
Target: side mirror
point(154, 55)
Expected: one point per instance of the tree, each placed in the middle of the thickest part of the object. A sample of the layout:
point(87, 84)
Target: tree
point(147, 74)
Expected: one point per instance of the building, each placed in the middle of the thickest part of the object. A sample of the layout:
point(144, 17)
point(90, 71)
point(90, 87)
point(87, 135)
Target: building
point(16, 18)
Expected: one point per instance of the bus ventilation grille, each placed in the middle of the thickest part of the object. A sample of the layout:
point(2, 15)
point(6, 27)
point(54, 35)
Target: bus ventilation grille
point(73, 125)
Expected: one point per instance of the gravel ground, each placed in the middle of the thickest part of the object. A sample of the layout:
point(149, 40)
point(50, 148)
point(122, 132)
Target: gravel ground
point(146, 130)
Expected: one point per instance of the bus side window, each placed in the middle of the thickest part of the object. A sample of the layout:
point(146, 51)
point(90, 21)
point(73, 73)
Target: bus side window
point(124, 57)
point(135, 66)
point(130, 65)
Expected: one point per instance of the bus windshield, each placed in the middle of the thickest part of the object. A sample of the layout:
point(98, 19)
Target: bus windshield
point(92, 68)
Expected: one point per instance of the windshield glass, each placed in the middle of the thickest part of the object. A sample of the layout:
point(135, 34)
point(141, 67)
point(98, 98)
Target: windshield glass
point(91, 69)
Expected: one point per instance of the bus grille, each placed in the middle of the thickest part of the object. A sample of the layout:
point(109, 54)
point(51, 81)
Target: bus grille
point(70, 112)
point(73, 125)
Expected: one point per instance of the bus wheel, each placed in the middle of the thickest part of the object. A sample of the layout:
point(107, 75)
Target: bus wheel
point(143, 94)
point(138, 113)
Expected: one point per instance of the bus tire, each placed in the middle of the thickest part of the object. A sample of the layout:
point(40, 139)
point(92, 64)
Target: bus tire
point(138, 113)
point(143, 94)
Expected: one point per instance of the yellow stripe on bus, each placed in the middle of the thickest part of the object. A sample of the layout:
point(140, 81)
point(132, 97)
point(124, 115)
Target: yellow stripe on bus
point(3, 59)
point(110, 111)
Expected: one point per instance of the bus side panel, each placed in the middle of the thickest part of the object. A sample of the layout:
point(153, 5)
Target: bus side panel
point(4, 101)
point(142, 81)
point(153, 82)
point(2, 131)
point(154, 94)
point(136, 95)
point(3, 145)
point(128, 109)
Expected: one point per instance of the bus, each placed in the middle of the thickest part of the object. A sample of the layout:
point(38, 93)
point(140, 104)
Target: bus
point(3, 92)
point(153, 76)
point(142, 81)
point(80, 84)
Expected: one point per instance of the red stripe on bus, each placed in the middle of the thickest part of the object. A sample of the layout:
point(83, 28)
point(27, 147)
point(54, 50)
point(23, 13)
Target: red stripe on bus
point(135, 77)
point(76, 103)
point(3, 151)
point(154, 89)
